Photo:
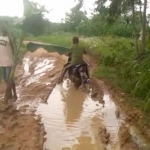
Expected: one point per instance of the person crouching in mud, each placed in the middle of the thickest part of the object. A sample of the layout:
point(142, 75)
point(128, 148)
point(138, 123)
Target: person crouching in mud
point(6, 62)
point(76, 57)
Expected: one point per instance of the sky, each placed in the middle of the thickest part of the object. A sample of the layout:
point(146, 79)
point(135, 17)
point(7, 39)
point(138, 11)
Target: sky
point(59, 8)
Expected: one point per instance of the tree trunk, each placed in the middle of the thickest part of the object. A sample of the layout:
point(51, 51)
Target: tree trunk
point(140, 3)
point(144, 27)
point(135, 32)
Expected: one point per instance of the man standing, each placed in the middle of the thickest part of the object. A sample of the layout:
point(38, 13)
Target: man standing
point(6, 62)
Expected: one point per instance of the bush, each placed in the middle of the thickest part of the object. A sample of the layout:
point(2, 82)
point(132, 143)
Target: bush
point(119, 66)
point(33, 24)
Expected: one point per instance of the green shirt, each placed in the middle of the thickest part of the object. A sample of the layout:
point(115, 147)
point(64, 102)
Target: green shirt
point(77, 54)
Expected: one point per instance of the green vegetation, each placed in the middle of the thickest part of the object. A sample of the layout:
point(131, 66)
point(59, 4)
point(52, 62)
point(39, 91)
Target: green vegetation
point(62, 39)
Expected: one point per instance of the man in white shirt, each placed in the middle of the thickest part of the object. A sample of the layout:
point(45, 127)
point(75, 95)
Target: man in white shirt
point(6, 62)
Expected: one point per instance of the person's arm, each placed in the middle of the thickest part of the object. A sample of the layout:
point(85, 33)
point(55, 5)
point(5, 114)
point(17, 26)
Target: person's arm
point(69, 54)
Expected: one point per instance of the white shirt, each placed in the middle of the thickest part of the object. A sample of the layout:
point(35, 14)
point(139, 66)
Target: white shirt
point(6, 59)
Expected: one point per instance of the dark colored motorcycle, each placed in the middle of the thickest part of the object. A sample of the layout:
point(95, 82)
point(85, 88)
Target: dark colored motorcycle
point(80, 74)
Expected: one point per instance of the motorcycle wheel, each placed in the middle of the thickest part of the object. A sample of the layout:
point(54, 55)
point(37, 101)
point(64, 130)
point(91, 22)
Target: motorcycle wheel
point(77, 83)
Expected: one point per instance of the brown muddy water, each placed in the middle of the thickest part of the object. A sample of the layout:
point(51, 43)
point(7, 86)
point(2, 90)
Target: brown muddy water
point(71, 118)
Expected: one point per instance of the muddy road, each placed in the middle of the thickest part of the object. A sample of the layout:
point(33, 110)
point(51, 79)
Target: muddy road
point(47, 116)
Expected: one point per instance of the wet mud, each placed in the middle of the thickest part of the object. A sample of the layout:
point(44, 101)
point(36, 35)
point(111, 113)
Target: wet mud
point(73, 119)
point(35, 78)
point(48, 116)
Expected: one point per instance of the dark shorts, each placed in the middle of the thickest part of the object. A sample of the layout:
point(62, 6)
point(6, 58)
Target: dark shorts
point(6, 72)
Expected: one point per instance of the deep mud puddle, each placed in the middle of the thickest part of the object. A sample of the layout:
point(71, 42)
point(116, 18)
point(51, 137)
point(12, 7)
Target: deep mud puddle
point(72, 120)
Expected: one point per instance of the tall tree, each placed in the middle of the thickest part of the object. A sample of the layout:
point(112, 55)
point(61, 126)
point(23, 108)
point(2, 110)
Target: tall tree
point(144, 22)
point(100, 5)
point(75, 17)
point(119, 7)
point(134, 29)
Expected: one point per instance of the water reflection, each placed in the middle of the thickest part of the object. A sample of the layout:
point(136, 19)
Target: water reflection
point(72, 119)
point(73, 104)
point(85, 143)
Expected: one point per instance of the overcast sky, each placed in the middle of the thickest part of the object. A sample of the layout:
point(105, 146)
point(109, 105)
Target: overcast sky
point(59, 8)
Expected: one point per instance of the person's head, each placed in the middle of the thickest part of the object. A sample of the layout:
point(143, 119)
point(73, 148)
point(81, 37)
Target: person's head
point(75, 40)
point(4, 32)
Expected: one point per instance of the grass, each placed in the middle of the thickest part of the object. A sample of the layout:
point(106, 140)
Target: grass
point(105, 72)
point(119, 66)
point(62, 39)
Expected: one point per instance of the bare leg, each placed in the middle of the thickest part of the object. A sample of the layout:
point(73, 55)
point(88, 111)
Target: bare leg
point(10, 84)
point(8, 92)
point(82, 86)
point(65, 69)
point(13, 87)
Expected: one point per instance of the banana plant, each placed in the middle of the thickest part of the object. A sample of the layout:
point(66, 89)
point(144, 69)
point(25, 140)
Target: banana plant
point(31, 23)
point(26, 24)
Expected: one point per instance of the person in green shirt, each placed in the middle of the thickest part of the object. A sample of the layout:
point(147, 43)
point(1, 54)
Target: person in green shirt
point(77, 52)
point(76, 58)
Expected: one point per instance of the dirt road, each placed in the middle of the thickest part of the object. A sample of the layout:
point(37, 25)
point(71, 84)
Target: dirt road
point(72, 119)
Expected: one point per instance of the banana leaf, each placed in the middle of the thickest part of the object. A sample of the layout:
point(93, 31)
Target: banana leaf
point(28, 8)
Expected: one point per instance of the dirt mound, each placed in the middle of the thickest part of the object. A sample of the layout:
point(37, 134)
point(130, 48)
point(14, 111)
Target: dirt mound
point(19, 131)
point(38, 53)
point(43, 70)
point(125, 140)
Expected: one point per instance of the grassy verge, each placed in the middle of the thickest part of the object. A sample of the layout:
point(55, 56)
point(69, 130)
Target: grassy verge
point(117, 63)
point(62, 39)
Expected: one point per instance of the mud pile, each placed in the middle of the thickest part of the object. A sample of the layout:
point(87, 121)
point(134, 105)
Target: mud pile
point(38, 75)
point(19, 132)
